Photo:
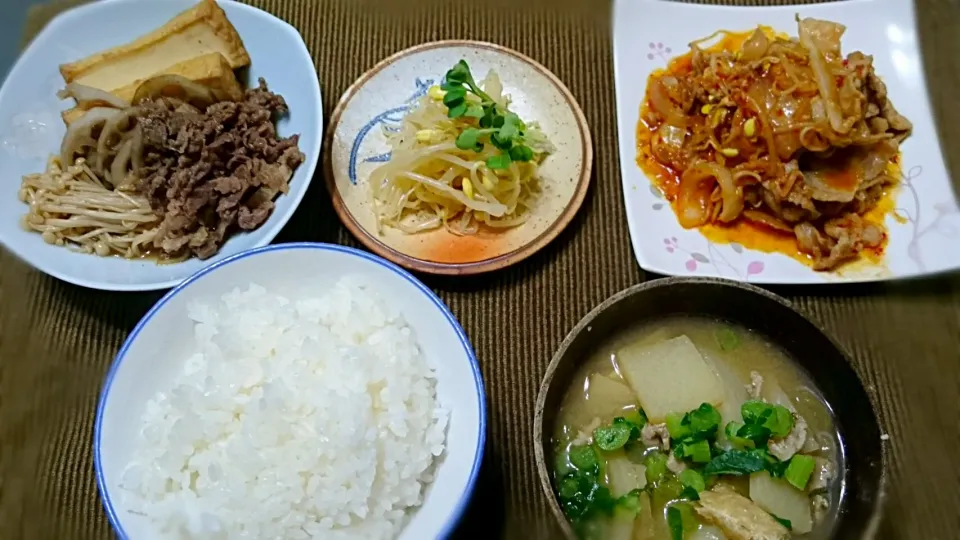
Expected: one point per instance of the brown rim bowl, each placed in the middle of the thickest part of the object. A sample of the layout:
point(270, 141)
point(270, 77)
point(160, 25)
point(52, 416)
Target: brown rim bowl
point(496, 262)
point(813, 351)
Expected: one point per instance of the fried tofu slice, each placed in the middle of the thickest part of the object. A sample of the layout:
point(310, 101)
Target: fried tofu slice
point(739, 517)
point(211, 70)
point(200, 30)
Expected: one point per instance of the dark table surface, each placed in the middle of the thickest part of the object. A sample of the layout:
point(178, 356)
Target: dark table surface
point(13, 14)
point(56, 340)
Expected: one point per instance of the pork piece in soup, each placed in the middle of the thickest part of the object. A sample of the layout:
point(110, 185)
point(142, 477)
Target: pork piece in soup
point(695, 429)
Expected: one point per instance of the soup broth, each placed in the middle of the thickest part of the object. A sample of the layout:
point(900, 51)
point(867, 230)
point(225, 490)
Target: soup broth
point(685, 426)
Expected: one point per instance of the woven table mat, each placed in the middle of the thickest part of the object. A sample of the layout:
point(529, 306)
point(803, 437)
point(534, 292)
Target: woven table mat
point(57, 340)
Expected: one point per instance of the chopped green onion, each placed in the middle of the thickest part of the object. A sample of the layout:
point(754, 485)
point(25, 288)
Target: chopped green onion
point(675, 522)
point(698, 451)
point(629, 424)
point(568, 487)
point(581, 496)
point(637, 418)
point(612, 437)
point(799, 470)
point(630, 502)
point(584, 458)
point(692, 479)
point(675, 426)
point(562, 465)
point(656, 464)
point(727, 339)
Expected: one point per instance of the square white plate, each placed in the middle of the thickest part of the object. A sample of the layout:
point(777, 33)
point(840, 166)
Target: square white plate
point(648, 33)
point(31, 128)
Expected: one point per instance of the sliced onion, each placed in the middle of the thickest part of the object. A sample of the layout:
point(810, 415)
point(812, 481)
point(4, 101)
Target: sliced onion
point(174, 86)
point(746, 174)
point(756, 47)
point(825, 82)
point(791, 118)
point(661, 104)
point(825, 34)
point(667, 143)
point(732, 193)
point(696, 186)
point(812, 139)
point(760, 98)
point(88, 96)
point(82, 130)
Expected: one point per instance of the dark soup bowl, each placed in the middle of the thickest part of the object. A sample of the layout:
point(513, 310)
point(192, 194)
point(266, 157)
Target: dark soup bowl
point(771, 432)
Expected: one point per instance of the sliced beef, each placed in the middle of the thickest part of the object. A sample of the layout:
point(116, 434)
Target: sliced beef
point(895, 121)
point(207, 173)
point(841, 239)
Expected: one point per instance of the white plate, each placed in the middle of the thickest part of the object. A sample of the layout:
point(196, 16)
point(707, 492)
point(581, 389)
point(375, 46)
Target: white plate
point(31, 129)
point(647, 33)
point(149, 361)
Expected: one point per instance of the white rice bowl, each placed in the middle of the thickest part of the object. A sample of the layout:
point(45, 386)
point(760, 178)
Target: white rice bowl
point(309, 414)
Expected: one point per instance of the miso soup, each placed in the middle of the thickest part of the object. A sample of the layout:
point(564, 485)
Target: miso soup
point(696, 429)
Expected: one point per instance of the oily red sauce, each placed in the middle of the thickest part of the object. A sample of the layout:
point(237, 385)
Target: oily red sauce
point(443, 247)
point(746, 233)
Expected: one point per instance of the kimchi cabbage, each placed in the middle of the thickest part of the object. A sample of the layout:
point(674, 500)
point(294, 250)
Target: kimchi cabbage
point(787, 134)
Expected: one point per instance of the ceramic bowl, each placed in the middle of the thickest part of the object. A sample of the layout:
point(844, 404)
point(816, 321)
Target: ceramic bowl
point(356, 145)
point(813, 351)
point(149, 360)
point(31, 128)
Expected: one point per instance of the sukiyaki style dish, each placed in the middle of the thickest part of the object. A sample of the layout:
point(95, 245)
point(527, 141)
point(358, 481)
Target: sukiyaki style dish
point(166, 154)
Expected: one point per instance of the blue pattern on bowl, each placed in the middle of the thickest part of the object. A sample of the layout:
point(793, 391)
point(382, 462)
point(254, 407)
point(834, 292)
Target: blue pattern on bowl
point(388, 119)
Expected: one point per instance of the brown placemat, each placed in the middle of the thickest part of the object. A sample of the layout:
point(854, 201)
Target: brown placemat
point(57, 340)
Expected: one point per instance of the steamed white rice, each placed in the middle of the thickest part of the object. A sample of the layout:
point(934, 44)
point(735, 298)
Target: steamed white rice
point(306, 417)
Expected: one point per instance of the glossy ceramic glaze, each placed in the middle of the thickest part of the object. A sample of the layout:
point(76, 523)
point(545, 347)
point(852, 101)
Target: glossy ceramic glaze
point(31, 128)
point(772, 317)
point(356, 145)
